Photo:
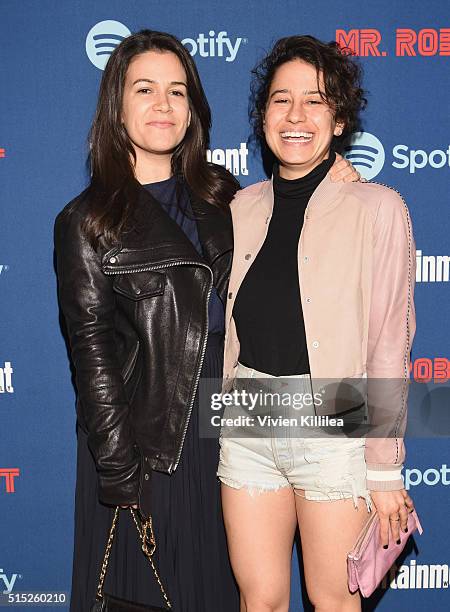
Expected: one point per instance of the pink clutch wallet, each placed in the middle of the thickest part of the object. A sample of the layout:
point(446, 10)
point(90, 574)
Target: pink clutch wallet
point(369, 562)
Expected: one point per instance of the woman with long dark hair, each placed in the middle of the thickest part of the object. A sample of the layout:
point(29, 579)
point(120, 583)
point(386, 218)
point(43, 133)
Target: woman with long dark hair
point(140, 255)
point(143, 260)
point(321, 297)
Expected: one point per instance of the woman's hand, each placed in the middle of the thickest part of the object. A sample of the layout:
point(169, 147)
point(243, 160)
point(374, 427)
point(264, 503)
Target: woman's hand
point(393, 508)
point(343, 171)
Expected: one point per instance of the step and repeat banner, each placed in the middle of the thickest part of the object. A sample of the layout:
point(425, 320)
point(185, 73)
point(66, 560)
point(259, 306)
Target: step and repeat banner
point(51, 62)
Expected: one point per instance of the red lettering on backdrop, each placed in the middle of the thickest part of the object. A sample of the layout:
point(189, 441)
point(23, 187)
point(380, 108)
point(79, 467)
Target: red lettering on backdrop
point(424, 369)
point(362, 42)
point(429, 42)
point(426, 42)
point(348, 40)
point(445, 41)
point(369, 41)
point(405, 41)
point(9, 474)
point(441, 369)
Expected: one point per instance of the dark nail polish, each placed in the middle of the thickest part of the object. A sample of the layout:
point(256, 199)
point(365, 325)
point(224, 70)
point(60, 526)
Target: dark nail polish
point(406, 529)
point(385, 546)
point(398, 542)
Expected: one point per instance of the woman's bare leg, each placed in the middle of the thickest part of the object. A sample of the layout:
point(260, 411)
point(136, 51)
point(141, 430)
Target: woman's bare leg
point(260, 530)
point(328, 531)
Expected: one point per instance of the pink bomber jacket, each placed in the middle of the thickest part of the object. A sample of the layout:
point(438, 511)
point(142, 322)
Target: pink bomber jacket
point(356, 264)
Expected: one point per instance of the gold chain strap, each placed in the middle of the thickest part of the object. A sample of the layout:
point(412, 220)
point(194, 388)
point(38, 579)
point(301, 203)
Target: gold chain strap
point(147, 536)
point(107, 553)
point(148, 546)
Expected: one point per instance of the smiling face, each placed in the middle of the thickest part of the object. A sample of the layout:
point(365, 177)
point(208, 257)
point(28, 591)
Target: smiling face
point(298, 124)
point(155, 110)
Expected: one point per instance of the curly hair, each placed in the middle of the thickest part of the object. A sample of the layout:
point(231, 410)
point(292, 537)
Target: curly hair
point(341, 76)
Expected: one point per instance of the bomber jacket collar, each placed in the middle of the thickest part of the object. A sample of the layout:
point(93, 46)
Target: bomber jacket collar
point(319, 204)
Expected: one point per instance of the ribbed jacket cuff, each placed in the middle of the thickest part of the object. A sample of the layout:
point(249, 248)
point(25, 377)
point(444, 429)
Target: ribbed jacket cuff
point(384, 477)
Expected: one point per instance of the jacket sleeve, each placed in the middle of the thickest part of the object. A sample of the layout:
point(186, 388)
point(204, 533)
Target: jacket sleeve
point(391, 332)
point(87, 302)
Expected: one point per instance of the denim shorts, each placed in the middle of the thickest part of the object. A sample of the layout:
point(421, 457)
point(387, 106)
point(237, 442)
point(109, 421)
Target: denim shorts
point(326, 469)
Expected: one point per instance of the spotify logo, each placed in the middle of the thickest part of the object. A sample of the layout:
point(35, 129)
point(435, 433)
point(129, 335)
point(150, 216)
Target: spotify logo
point(366, 153)
point(102, 39)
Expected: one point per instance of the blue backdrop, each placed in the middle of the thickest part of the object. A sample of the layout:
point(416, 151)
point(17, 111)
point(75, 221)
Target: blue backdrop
point(50, 72)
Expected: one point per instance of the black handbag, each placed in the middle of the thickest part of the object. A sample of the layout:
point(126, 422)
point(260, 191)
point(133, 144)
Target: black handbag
point(109, 603)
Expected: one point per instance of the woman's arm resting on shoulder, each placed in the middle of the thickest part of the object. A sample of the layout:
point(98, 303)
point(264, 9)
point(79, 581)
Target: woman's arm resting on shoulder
point(87, 302)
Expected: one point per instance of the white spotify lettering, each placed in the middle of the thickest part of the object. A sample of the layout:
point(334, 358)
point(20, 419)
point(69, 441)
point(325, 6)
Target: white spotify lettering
point(220, 45)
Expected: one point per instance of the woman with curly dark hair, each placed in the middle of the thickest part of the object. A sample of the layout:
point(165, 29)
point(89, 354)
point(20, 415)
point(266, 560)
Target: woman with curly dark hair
point(321, 288)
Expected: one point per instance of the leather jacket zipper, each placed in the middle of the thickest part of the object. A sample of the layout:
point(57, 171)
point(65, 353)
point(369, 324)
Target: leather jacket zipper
point(197, 378)
point(173, 467)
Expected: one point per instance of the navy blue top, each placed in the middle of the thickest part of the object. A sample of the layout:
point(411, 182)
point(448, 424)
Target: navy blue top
point(178, 207)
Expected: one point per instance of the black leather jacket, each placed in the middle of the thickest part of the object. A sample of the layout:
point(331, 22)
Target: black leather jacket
point(137, 322)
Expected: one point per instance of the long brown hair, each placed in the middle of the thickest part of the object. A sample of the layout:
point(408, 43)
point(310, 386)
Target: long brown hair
point(113, 190)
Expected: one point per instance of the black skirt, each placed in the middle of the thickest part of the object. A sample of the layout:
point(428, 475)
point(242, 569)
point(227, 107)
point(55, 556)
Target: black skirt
point(191, 555)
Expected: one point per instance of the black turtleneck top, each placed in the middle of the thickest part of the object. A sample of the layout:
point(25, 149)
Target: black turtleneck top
point(268, 311)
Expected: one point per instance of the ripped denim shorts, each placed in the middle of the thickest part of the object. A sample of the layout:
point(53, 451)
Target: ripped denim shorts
point(326, 469)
